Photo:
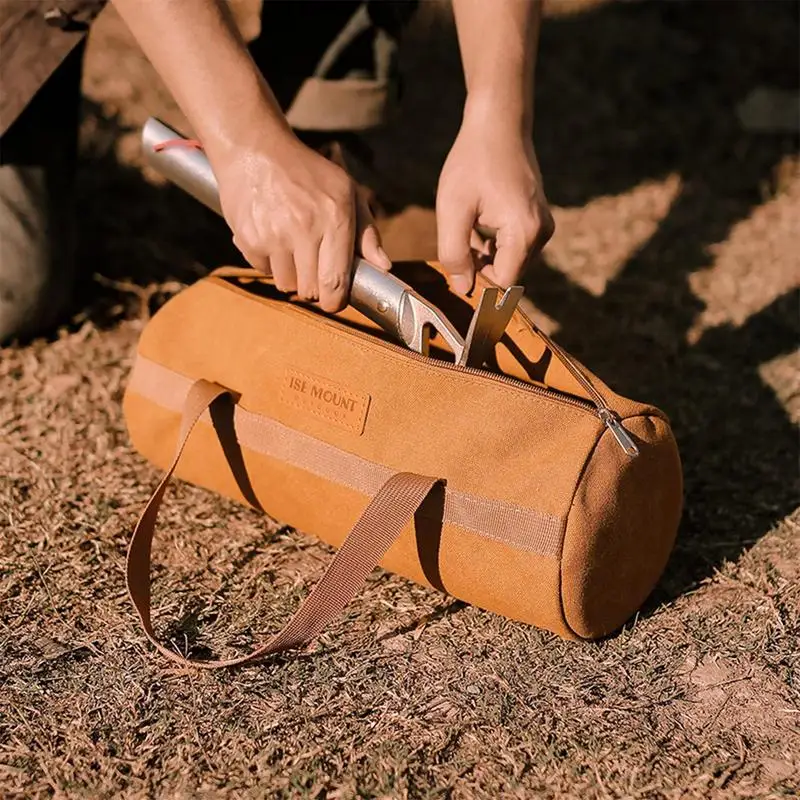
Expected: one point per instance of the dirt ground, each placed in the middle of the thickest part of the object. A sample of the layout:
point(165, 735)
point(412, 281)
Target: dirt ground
point(673, 274)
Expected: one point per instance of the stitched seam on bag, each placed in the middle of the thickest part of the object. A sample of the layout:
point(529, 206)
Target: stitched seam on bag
point(375, 348)
point(317, 412)
point(524, 529)
point(324, 329)
point(536, 531)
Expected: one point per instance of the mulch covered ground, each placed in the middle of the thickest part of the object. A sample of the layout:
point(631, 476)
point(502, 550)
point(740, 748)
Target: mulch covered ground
point(673, 274)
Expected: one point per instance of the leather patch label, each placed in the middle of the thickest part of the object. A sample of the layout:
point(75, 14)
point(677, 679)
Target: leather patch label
point(326, 400)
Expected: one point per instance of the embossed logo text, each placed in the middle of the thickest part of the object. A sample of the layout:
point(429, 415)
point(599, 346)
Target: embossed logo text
point(326, 400)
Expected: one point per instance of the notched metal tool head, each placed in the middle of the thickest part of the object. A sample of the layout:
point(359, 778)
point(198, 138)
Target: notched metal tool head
point(417, 319)
point(488, 324)
point(397, 308)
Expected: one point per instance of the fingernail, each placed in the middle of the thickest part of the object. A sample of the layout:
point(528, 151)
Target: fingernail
point(386, 262)
point(461, 283)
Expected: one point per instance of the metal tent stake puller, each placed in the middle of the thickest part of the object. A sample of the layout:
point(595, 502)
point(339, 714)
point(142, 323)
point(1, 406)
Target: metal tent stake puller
point(488, 324)
point(378, 295)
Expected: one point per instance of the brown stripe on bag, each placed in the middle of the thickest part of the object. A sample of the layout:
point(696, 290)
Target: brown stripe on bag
point(522, 528)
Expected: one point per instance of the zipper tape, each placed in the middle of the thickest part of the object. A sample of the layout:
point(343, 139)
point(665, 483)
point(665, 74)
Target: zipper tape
point(596, 406)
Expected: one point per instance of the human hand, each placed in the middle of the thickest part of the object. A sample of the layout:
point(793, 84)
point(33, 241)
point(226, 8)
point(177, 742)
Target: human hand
point(292, 212)
point(298, 216)
point(491, 178)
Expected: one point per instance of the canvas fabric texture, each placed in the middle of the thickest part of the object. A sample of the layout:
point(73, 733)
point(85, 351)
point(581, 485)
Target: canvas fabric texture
point(526, 504)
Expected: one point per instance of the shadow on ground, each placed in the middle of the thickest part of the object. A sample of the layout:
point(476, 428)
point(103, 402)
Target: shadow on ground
point(625, 94)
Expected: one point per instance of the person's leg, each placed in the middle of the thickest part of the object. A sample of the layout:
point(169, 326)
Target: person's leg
point(38, 159)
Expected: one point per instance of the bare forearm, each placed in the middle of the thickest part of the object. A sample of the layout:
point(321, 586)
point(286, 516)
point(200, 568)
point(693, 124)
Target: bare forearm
point(498, 42)
point(293, 213)
point(198, 51)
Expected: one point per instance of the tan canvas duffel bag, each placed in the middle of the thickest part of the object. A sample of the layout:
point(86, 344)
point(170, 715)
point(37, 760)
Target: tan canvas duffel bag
point(529, 489)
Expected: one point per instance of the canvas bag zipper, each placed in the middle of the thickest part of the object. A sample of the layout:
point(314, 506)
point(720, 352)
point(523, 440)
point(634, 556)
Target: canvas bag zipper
point(597, 405)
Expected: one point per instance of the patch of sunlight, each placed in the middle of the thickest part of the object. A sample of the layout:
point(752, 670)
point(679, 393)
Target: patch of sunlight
point(756, 264)
point(563, 8)
point(782, 375)
point(593, 243)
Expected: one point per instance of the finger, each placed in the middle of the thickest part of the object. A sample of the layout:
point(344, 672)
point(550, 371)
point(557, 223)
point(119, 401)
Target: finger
point(368, 237)
point(283, 271)
point(336, 154)
point(510, 259)
point(454, 230)
point(254, 259)
point(486, 231)
point(336, 264)
point(306, 262)
point(547, 227)
point(479, 244)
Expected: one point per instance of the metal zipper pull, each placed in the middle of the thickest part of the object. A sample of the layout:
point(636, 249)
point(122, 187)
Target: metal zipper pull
point(614, 424)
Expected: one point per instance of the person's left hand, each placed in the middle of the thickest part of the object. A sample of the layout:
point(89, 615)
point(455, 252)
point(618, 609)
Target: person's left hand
point(491, 178)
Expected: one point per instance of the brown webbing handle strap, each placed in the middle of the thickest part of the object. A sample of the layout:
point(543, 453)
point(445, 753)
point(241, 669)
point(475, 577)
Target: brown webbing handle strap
point(381, 523)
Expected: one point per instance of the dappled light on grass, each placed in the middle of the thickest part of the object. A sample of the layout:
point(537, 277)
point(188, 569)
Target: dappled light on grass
point(665, 232)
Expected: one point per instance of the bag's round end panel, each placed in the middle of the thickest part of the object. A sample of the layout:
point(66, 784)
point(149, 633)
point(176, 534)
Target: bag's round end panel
point(621, 528)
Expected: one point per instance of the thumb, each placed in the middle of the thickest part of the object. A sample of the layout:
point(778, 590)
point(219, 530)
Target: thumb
point(454, 232)
point(368, 237)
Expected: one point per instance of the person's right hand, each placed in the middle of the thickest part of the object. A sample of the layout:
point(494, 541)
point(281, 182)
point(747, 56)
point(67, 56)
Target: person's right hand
point(298, 216)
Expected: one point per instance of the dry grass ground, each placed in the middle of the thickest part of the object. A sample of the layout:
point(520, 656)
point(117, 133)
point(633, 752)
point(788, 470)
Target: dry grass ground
point(673, 274)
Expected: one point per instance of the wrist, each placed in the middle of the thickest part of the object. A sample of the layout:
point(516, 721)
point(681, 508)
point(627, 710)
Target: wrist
point(495, 110)
point(248, 122)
